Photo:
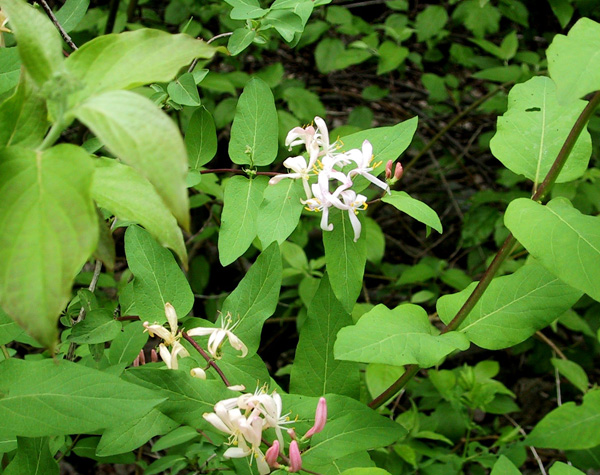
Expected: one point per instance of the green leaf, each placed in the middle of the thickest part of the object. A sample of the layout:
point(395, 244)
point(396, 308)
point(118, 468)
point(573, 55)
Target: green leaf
point(365, 471)
point(331, 55)
point(33, 457)
point(286, 22)
point(256, 296)
point(414, 208)
point(504, 466)
point(255, 127)
point(49, 229)
point(158, 278)
point(315, 371)
point(185, 398)
point(38, 41)
point(513, 307)
point(563, 240)
point(573, 61)
point(375, 241)
point(345, 259)
point(245, 9)
point(184, 91)
point(112, 62)
point(570, 427)
point(240, 40)
point(304, 104)
point(76, 399)
point(71, 13)
point(129, 196)
point(430, 22)
point(201, 138)
point(279, 211)
point(560, 468)
point(23, 117)
point(97, 327)
point(9, 330)
point(181, 435)
point(240, 213)
point(563, 11)
point(141, 135)
point(132, 434)
point(10, 68)
point(573, 372)
point(390, 56)
point(397, 337)
point(533, 129)
point(127, 345)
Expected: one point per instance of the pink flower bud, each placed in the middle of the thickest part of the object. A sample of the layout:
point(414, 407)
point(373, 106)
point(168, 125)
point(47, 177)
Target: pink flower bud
point(320, 419)
point(388, 169)
point(272, 454)
point(398, 172)
point(136, 361)
point(153, 356)
point(292, 433)
point(142, 357)
point(295, 457)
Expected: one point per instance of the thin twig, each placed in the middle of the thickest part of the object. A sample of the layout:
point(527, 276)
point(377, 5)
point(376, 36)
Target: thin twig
point(551, 344)
point(61, 30)
point(207, 357)
point(222, 35)
point(533, 451)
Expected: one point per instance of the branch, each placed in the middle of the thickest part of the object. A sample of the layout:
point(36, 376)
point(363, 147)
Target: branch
point(61, 30)
point(206, 356)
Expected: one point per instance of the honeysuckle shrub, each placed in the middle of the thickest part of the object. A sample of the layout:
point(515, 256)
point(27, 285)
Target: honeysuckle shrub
point(170, 207)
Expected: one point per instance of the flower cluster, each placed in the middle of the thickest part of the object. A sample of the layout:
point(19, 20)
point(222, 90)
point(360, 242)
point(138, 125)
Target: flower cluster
point(246, 417)
point(333, 184)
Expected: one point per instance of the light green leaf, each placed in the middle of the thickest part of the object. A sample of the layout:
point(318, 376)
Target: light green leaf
point(127, 345)
point(256, 296)
point(141, 135)
point(563, 11)
point(38, 41)
point(397, 337)
point(573, 372)
point(71, 13)
point(158, 278)
point(304, 104)
point(430, 22)
point(533, 129)
point(561, 468)
point(49, 229)
point(280, 211)
point(23, 117)
point(132, 434)
point(76, 399)
point(240, 213)
point(178, 436)
point(129, 196)
point(563, 240)
point(286, 22)
point(513, 307)
point(255, 127)
point(390, 56)
point(504, 466)
point(345, 259)
point(185, 398)
point(10, 68)
point(570, 427)
point(9, 330)
point(240, 40)
point(573, 61)
point(366, 471)
point(112, 62)
point(33, 457)
point(414, 208)
point(183, 90)
point(375, 241)
point(315, 371)
point(97, 327)
point(201, 138)
point(245, 9)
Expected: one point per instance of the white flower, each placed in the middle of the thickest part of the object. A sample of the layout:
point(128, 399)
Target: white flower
point(302, 170)
point(363, 159)
point(171, 338)
point(218, 335)
point(352, 203)
point(269, 406)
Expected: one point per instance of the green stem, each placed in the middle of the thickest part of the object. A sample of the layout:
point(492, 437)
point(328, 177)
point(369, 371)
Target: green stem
point(504, 251)
point(453, 122)
point(5, 352)
point(52, 136)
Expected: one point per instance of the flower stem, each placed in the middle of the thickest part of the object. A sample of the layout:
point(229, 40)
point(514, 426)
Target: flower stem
point(504, 251)
point(207, 357)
